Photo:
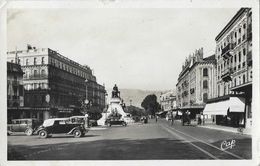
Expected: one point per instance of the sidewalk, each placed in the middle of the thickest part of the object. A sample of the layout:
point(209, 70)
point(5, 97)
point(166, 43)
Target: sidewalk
point(222, 128)
point(226, 128)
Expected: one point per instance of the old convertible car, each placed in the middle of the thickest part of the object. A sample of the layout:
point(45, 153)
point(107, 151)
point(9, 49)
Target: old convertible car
point(26, 126)
point(62, 125)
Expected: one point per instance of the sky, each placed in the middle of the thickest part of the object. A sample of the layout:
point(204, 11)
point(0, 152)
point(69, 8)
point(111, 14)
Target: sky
point(135, 48)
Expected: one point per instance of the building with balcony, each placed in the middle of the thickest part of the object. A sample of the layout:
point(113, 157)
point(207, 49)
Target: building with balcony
point(234, 72)
point(15, 93)
point(168, 101)
point(54, 85)
point(196, 83)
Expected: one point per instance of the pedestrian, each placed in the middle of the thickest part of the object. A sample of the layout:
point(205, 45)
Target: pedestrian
point(156, 118)
point(172, 118)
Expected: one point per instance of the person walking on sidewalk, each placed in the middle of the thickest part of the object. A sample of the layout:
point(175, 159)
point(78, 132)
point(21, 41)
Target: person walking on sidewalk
point(156, 118)
point(172, 118)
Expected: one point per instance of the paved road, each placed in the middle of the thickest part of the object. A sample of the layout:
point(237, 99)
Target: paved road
point(135, 142)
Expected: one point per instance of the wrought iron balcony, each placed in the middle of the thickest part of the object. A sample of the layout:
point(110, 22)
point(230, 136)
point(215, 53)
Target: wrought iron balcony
point(225, 52)
point(37, 77)
point(226, 74)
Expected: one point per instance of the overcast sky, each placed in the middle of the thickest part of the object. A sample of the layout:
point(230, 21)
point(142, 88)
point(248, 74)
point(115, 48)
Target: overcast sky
point(134, 48)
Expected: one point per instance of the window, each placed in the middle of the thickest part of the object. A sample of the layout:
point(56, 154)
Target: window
point(244, 26)
point(19, 61)
point(244, 51)
point(35, 72)
point(239, 30)
point(239, 56)
point(42, 60)
point(205, 97)
point(43, 72)
point(34, 61)
point(205, 84)
point(205, 72)
point(235, 82)
point(235, 34)
point(235, 58)
point(244, 79)
point(27, 61)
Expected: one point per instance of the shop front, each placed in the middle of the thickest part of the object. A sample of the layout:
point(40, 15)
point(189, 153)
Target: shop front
point(227, 112)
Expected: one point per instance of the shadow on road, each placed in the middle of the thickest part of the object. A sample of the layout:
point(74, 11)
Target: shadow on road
point(116, 149)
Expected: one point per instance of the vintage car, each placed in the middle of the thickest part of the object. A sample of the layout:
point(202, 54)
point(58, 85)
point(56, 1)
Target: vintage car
point(23, 125)
point(62, 125)
point(185, 119)
point(80, 119)
point(115, 121)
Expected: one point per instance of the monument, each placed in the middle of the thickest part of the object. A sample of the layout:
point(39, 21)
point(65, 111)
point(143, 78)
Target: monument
point(114, 108)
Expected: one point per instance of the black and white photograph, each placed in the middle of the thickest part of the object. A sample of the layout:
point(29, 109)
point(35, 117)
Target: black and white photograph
point(130, 83)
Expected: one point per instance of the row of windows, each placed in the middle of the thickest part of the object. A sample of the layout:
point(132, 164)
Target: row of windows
point(236, 36)
point(236, 82)
point(35, 86)
point(68, 68)
point(35, 73)
point(27, 61)
point(237, 61)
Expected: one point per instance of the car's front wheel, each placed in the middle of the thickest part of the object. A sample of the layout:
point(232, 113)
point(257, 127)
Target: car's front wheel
point(43, 134)
point(77, 133)
point(29, 131)
point(124, 124)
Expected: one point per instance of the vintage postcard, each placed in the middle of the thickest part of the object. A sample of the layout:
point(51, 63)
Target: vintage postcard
point(112, 82)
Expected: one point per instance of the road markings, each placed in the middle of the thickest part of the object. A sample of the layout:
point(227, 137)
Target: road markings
point(181, 138)
point(232, 154)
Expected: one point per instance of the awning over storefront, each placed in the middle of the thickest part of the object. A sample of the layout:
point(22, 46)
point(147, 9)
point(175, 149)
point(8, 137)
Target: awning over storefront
point(237, 104)
point(234, 104)
point(219, 108)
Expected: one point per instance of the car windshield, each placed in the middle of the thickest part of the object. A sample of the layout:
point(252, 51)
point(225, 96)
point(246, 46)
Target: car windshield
point(48, 122)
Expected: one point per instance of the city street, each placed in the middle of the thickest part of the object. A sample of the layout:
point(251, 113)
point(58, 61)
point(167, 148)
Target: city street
point(135, 142)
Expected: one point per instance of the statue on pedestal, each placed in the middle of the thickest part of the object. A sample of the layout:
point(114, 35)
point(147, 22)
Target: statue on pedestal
point(115, 92)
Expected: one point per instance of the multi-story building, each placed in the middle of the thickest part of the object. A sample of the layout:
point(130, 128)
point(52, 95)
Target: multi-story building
point(53, 84)
point(232, 101)
point(195, 83)
point(168, 101)
point(15, 93)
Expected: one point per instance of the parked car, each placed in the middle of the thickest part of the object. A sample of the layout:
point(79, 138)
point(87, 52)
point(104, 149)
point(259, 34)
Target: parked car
point(27, 126)
point(62, 125)
point(86, 120)
point(115, 121)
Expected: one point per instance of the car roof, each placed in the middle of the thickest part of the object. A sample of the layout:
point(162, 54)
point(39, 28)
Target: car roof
point(53, 119)
point(78, 117)
point(26, 119)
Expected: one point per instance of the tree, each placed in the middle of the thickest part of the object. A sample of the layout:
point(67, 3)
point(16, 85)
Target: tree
point(150, 104)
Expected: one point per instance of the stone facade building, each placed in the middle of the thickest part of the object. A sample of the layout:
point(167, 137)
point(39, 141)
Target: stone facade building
point(196, 83)
point(168, 101)
point(234, 72)
point(54, 85)
point(15, 92)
